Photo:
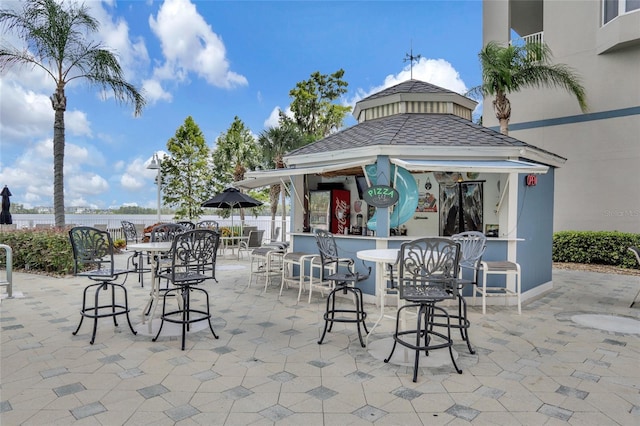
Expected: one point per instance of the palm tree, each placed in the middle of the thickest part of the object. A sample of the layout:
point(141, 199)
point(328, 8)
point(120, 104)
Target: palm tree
point(236, 151)
point(56, 37)
point(515, 67)
point(275, 142)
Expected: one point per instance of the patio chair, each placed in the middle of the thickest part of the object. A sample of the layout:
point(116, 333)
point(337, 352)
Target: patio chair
point(472, 247)
point(94, 248)
point(427, 275)
point(254, 241)
point(137, 258)
point(165, 232)
point(191, 253)
point(344, 281)
point(208, 224)
point(187, 225)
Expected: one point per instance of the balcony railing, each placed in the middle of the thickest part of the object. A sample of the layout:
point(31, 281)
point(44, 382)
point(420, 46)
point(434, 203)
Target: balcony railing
point(535, 38)
point(531, 38)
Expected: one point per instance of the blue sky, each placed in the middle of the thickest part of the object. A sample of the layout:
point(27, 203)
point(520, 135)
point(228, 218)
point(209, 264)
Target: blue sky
point(214, 60)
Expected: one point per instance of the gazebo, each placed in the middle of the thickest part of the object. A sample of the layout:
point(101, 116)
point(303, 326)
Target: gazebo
point(451, 174)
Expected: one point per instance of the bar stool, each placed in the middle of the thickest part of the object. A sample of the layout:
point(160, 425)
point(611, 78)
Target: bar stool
point(191, 254)
point(427, 276)
point(289, 262)
point(499, 268)
point(265, 261)
point(343, 282)
point(95, 248)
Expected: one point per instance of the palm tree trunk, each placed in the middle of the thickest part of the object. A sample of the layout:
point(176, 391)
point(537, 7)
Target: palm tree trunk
point(274, 191)
point(283, 230)
point(502, 107)
point(59, 104)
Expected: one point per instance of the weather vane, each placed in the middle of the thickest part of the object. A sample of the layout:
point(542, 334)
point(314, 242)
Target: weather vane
point(410, 58)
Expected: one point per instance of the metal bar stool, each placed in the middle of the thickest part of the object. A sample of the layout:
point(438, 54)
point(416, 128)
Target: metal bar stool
point(345, 282)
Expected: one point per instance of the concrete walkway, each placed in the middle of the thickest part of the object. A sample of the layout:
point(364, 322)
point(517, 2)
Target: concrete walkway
point(573, 356)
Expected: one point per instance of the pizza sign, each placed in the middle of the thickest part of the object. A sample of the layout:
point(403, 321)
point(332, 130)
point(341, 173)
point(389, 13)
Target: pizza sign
point(380, 196)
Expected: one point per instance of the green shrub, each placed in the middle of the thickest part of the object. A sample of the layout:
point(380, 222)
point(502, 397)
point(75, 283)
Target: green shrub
point(597, 247)
point(39, 250)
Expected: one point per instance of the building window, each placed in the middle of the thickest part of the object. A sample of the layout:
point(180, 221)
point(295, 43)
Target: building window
point(612, 8)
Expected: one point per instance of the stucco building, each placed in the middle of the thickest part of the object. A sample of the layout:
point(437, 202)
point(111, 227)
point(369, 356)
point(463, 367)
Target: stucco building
point(598, 188)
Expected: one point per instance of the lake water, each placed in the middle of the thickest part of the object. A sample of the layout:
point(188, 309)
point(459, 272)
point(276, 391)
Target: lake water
point(113, 221)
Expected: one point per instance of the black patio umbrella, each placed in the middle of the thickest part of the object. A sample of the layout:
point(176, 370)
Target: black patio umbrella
point(5, 215)
point(232, 198)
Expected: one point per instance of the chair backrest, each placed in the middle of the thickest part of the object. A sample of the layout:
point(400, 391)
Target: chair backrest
point(331, 260)
point(247, 229)
point(187, 225)
point(428, 262)
point(193, 251)
point(91, 247)
point(327, 247)
point(166, 232)
point(276, 234)
point(472, 247)
point(129, 231)
point(255, 238)
point(636, 252)
point(208, 224)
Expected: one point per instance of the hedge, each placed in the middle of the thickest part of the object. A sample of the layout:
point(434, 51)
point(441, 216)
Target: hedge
point(50, 250)
point(595, 247)
point(39, 250)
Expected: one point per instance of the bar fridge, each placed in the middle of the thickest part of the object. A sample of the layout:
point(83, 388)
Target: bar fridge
point(329, 210)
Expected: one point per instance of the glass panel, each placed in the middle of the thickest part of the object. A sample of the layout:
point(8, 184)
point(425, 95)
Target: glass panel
point(610, 10)
point(632, 5)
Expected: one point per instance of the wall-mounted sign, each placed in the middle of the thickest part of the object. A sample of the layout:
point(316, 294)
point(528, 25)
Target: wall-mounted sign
point(380, 196)
point(531, 180)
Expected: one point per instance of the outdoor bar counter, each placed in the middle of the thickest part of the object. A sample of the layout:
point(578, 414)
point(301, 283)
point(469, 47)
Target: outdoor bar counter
point(349, 245)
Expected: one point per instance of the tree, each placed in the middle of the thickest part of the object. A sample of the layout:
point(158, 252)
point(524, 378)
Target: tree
point(235, 153)
point(186, 173)
point(515, 67)
point(314, 112)
point(274, 143)
point(57, 42)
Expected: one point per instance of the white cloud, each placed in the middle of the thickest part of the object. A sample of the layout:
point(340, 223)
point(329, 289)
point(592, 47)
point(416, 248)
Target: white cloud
point(154, 92)
point(190, 45)
point(114, 34)
point(272, 121)
point(30, 177)
point(434, 71)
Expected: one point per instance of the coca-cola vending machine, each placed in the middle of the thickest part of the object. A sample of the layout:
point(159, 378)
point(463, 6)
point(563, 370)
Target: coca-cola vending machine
point(329, 210)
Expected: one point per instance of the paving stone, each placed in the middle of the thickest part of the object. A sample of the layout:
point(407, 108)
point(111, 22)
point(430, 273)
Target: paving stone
point(557, 412)
point(152, 391)
point(223, 350)
point(180, 413)
point(369, 413)
point(406, 393)
point(238, 392)
point(276, 413)
point(5, 406)
point(53, 372)
point(320, 363)
point(283, 376)
point(322, 393)
point(88, 410)
point(465, 413)
point(564, 390)
point(69, 389)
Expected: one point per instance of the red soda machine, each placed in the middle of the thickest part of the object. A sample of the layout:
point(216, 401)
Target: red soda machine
point(330, 210)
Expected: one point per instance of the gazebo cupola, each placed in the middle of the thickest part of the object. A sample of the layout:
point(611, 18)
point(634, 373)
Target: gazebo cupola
point(413, 96)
